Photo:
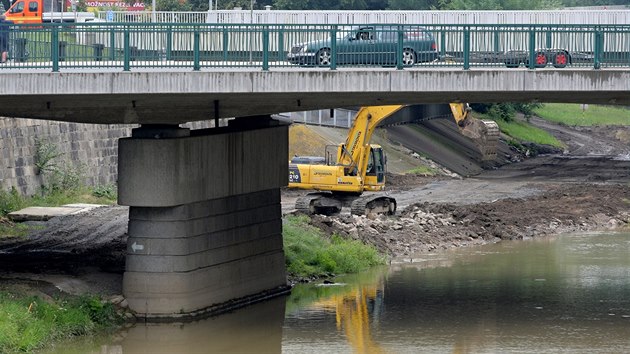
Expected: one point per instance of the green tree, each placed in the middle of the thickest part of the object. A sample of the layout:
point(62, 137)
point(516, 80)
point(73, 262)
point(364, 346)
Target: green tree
point(172, 5)
point(292, 4)
point(413, 4)
point(244, 4)
point(353, 5)
point(329, 4)
point(499, 4)
point(376, 4)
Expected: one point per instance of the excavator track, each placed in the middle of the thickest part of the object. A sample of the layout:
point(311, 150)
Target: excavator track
point(318, 203)
point(373, 204)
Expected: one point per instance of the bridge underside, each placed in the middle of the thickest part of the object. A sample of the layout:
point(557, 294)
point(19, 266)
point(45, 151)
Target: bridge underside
point(205, 224)
point(179, 97)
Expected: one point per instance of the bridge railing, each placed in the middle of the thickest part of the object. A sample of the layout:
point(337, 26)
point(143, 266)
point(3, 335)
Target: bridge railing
point(128, 46)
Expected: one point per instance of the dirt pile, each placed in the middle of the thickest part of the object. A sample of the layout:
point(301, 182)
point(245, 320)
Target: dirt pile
point(426, 226)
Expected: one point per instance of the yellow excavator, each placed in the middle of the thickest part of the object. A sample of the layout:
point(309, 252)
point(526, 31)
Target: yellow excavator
point(346, 171)
point(355, 166)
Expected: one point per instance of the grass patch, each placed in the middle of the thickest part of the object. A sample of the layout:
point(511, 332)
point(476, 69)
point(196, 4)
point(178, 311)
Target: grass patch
point(11, 200)
point(28, 323)
point(422, 171)
point(573, 114)
point(310, 253)
point(9, 229)
point(523, 131)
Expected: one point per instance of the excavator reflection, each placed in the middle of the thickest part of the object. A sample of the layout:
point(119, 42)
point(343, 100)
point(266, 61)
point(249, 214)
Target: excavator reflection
point(356, 310)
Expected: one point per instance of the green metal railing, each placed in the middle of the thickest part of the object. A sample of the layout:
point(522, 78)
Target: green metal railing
point(130, 46)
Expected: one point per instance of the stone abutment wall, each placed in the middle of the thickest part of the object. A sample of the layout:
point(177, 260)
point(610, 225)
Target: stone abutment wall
point(91, 149)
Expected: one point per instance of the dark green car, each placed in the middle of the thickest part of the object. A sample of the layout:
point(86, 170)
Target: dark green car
point(370, 45)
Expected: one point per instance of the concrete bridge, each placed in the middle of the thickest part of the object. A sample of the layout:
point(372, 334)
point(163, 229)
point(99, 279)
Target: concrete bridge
point(205, 224)
point(175, 96)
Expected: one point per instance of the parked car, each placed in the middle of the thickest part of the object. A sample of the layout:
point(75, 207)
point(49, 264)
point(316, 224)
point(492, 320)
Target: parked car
point(373, 45)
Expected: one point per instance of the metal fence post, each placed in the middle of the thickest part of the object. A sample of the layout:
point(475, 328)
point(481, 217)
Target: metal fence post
point(126, 50)
point(265, 44)
point(496, 39)
point(112, 44)
point(466, 48)
point(399, 49)
point(169, 42)
point(548, 38)
point(532, 49)
point(281, 55)
point(442, 43)
point(196, 54)
point(333, 49)
point(597, 52)
point(226, 39)
point(55, 48)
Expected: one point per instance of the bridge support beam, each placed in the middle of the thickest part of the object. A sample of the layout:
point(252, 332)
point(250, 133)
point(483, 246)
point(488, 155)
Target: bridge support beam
point(205, 224)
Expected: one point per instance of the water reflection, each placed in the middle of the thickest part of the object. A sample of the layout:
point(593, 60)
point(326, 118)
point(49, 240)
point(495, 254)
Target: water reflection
point(553, 295)
point(569, 294)
point(255, 329)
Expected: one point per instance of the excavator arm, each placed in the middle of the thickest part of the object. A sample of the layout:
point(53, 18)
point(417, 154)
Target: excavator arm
point(353, 153)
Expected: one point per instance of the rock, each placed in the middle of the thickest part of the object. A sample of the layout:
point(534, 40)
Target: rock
point(116, 299)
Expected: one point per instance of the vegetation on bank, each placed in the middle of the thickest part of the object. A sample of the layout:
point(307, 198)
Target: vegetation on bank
point(583, 115)
point(422, 171)
point(504, 114)
point(310, 253)
point(28, 323)
point(61, 183)
point(523, 131)
point(562, 113)
point(11, 200)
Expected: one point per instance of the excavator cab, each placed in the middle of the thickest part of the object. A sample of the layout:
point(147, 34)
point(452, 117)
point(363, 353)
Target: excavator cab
point(375, 172)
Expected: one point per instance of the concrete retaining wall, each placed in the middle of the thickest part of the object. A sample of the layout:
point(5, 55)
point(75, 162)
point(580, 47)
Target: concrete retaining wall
point(92, 147)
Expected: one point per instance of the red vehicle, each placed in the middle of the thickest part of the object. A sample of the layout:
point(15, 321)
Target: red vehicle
point(40, 11)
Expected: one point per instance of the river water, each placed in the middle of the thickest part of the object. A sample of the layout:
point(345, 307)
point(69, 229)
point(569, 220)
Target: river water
point(568, 294)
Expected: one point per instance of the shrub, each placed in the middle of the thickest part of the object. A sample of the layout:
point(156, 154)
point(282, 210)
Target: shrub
point(311, 253)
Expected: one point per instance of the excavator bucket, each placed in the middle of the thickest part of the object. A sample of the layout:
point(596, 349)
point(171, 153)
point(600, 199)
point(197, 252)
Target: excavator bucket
point(484, 133)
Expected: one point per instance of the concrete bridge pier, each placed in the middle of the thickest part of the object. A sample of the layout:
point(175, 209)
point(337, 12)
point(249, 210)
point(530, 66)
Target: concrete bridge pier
point(205, 228)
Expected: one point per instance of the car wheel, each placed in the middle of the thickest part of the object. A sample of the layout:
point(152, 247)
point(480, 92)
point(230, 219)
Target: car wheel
point(408, 57)
point(540, 59)
point(560, 60)
point(323, 57)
